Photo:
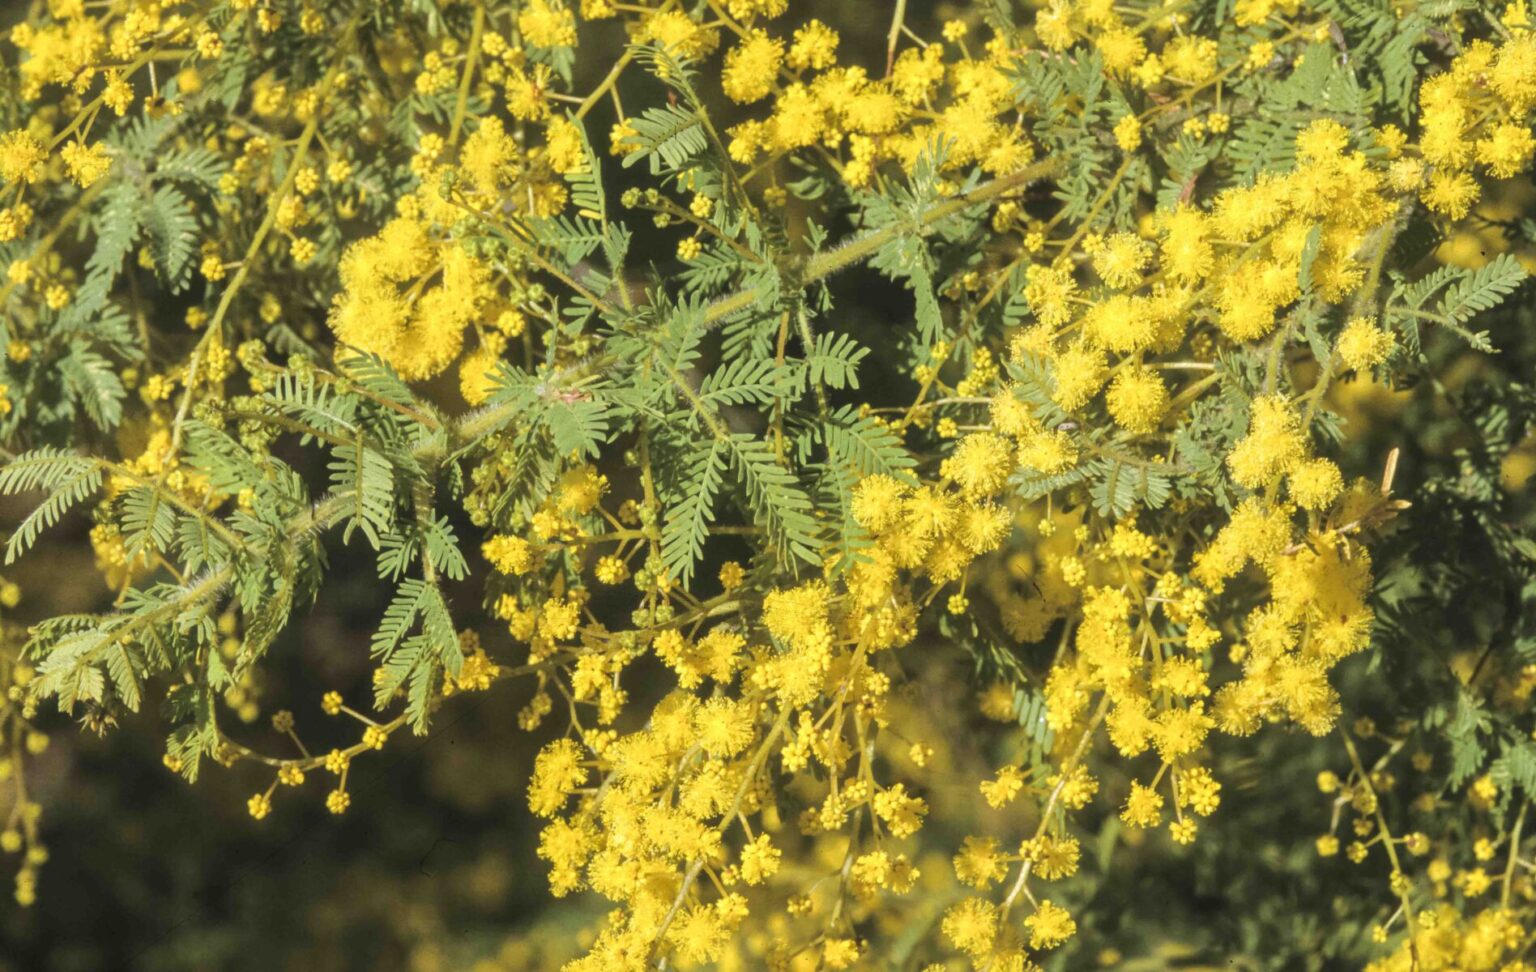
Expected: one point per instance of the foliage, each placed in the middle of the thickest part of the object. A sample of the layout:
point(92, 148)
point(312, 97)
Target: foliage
point(1081, 411)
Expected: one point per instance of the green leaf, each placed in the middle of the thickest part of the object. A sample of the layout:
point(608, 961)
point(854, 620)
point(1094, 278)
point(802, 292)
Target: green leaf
point(365, 480)
point(42, 468)
point(591, 204)
point(1517, 764)
point(378, 378)
point(743, 381)
point(172, 227)
point(117, 228)
point(573, 238)
point(197, 165)
point(313, 401)
point(1309, 251)
point(69, 483)
point(1463, 295)
point(1481, 290)
point(668, 137)
point(834, 360)
point(122, 670)
point(687, 521)
point(405, 659)
point(865, 445)
point(67, 673)
point(578, 423)
point(93, 381)
point(398, 618)
point(266, 621)
point(778, 504)
point(442, 548)
point(148, 522)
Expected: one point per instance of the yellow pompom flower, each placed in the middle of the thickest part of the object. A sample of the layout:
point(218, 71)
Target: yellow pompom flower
point(1137, 399)
point(980, 464)
point(1050, 925)
point(751, 67)
point(1363, 345)
point(544, 24)
point(1079, 374)
point(1315, 484)
point(21, 157)
point(508, 554)
point(1273, 445)
point(85, 164)
point(1143, 808)
point(1121, 258)
point(563, 146)
point(1127, 133)
point(815, 46)
point(971, 926)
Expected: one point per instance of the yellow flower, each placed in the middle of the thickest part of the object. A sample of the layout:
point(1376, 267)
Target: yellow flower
point(1079, 373)
point(563, 146)
point(556, 773)
point(508, 554)
point(971, 926)
point(1127, 133)
point(1273, 446)
point(1120, 259)
point(1050, 925)
point(902, 814)
point(1143, 808)
point(979, 864)
point(724, 726)
point(815, 46)
point(1049, 291)
point(1053, 857)
point(259, 805)
point(21, 157)
point(1137, 399)
point(759, 860)
point(547, 25)
point(1315, 484)
point(1451, 194)
point(85, 164)
point(751, 67)
point(1363, 345)
point(980, 465)
point(697, 936)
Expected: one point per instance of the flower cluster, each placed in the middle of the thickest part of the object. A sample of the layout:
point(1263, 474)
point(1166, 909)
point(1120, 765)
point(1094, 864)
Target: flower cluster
point(730, 537)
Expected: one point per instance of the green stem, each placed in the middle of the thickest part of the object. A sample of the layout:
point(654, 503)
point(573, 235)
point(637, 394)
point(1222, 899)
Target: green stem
point(470, 58)
point(820, 266)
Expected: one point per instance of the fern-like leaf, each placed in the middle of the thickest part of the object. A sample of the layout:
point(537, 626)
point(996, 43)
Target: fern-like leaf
point(172, 227)
point(365, 480)
point(69, 484)
point(778, 503)
point(667, 137)
point(93, 381)
point(687, 521)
